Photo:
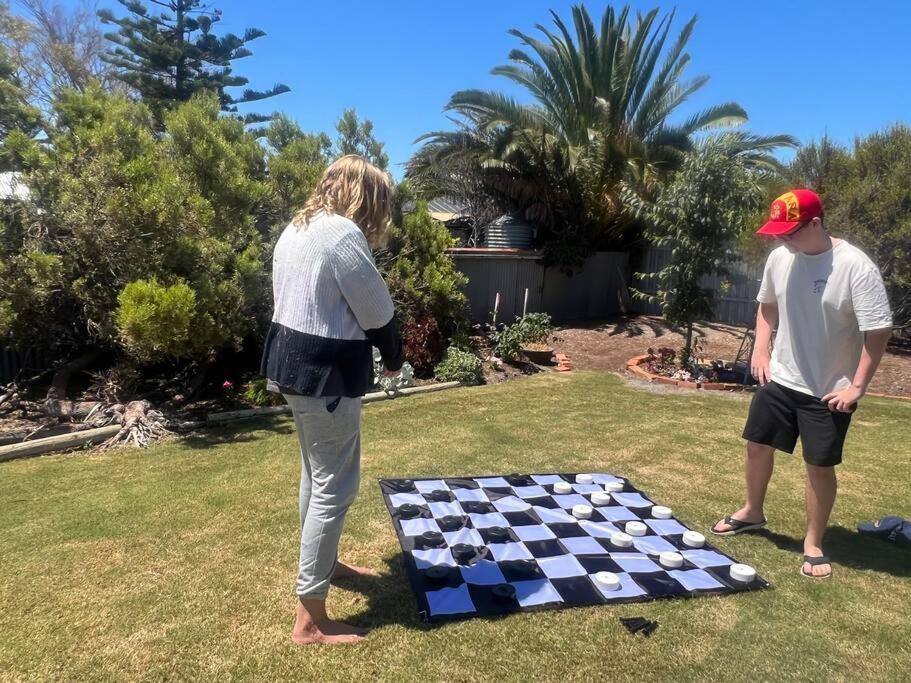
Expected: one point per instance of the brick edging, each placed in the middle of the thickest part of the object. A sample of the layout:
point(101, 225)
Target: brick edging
point(634, 363)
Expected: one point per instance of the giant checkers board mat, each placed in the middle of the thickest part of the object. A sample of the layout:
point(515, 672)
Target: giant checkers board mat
point(481, 546)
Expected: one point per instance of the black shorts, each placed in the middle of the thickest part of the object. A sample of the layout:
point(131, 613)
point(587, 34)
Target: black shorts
point(778, 415)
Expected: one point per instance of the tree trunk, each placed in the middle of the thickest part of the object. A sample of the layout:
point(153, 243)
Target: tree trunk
point(62, 376)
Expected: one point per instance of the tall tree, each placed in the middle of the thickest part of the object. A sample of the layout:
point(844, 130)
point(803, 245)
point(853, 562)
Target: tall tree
point(356, 137)
point(711, 199)
point(169, 56)
point(600, 119)
point(16, 114)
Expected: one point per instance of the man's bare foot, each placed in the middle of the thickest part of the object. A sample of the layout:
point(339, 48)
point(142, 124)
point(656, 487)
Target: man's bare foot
point(313, 627)
point(347, 571)
point(817, 571)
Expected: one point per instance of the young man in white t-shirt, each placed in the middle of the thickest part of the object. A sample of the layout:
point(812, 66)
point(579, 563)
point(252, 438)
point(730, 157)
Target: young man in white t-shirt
point(829, 303)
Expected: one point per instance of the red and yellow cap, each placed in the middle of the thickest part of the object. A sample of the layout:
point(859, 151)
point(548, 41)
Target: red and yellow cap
point(790, 210)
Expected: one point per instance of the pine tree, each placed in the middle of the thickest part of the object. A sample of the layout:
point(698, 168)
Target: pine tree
point(356, 137)
point(169, 56)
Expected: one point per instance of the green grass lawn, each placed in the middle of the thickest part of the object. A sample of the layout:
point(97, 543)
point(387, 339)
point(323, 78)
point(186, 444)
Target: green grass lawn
point(178, 562)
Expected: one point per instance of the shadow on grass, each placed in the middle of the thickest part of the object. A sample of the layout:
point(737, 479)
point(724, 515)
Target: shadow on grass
point(847, 548)
point(242, 432)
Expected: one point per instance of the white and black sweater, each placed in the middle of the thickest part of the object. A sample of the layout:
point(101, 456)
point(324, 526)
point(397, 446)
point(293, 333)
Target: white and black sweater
point(331, 307)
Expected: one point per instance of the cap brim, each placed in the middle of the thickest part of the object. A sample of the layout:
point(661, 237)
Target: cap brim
point(774, 228)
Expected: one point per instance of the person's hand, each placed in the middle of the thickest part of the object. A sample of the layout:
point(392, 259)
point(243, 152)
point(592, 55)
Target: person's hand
point(844, 401)
point(759, 368)
point(390, 373)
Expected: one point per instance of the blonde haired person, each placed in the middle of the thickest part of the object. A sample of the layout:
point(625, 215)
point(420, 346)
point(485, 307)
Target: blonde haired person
point(331, 307)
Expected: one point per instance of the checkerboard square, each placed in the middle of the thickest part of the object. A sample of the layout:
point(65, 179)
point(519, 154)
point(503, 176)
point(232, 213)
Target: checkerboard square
point(617, 513)
point(519, 519)
point(424, 559)
point(483, 573)
point(567, 500)
point(428, 485)
point(463, 535)
point(545, 479)
point(511, 504)
point(492, 482)
point(665, 527)
point(536, 592)
point(546, 548)
point(634, 563)
point(446, 509)
point(599, 563)
point(587, 488)
point(450, 601)
point(706, 558)
point(577, 590)
point(413, 527)
point(509, 551)
point(628, 588)
point(632, 500)
point(488, 520)
point(598, 529)
point(533, 532)
point(530, 491)
point(548, 515)
point(583, 545)
point(560, 566)
point(601, 478)
point(696, 579)
point(400, 499)
point(566, 529)
point(463, 495)
point(653, 545)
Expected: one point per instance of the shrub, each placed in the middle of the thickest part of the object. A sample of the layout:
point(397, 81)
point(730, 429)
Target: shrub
point(459, 366)
point(155, 320)
point(422, 277)
point(532, 328)
point(255, 393)
point(423, 343)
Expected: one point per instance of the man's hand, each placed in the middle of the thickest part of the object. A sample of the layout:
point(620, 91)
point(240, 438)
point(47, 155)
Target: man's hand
point(844, 401)
point(759, 367)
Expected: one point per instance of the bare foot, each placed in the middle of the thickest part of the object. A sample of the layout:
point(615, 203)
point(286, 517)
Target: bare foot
point(347, 571)
point(328, 633)
point(819, 571)
point(313, 627)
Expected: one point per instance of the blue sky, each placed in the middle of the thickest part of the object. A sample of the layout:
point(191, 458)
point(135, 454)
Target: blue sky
point(804, 68)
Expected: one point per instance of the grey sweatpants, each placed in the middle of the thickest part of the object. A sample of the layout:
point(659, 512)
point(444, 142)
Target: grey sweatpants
point(330, 473)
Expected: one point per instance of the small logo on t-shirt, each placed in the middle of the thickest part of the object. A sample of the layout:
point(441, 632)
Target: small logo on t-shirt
point(819, 285)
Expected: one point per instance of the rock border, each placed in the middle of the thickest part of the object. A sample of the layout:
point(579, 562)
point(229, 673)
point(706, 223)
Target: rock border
point(634, 363)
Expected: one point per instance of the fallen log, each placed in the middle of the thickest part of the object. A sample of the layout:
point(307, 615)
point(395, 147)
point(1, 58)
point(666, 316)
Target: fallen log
point(57, 443)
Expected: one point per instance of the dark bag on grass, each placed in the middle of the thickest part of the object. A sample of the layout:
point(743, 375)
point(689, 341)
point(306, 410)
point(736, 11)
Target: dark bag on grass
point(893, 529)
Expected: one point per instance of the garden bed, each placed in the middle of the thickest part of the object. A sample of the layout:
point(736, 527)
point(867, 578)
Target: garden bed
point(637, 366)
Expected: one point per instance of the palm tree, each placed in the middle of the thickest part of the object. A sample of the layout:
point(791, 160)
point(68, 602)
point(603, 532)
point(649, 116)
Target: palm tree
point(598, 123)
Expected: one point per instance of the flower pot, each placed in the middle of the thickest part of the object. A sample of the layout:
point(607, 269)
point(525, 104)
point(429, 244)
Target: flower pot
point(538, 354)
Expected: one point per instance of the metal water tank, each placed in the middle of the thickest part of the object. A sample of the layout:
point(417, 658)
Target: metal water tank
point(509, 232)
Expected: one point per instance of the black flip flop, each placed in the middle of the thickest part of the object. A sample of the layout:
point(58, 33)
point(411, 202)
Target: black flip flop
point(813, 562)
point(738, 526)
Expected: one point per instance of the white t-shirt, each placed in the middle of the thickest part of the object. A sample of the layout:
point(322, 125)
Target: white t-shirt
point(825, 304)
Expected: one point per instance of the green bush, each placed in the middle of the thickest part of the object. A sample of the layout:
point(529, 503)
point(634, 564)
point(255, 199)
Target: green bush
point(422, 277)
point(532, 328)
point(459, 366)
point(155, 320)
point(256, 394)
